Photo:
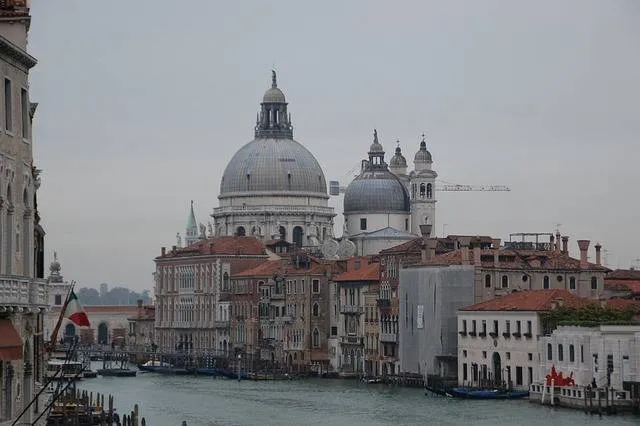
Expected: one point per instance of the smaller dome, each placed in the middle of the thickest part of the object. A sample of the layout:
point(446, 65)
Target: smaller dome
point(398, 159)
point(273, 95)
point(423, 156)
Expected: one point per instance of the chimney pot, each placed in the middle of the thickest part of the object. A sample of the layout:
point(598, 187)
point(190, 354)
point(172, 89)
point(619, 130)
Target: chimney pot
point(425, 230)
point(558, 242)
point(464, 249)
point(163, 251)
point(565, 245)
point(173, 249)
point(583, 245)
point(598, 258)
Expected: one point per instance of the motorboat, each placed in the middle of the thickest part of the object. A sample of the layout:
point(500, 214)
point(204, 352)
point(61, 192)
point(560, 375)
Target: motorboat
point(63, 369)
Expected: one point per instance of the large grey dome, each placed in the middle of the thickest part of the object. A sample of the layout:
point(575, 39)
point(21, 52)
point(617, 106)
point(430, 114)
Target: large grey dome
point(376, 190)
point(273, 165)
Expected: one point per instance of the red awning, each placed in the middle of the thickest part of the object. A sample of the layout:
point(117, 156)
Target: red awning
point(10, 341)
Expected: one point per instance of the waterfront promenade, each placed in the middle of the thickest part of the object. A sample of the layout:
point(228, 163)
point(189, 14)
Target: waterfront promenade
point(203, 401)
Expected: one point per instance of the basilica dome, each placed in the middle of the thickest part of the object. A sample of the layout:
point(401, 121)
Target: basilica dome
point(376, 189)
point(273, 165)
point(273, 162)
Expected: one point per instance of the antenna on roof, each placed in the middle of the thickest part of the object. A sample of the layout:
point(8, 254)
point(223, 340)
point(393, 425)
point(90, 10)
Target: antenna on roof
point(558, 225)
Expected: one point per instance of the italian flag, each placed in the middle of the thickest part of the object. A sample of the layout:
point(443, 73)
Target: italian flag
point(75, 312)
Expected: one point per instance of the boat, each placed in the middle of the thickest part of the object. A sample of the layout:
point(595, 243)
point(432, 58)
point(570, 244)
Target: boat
point(63, 369)
point(116, 372)
point(437, 391)
point(372, 380)
point(154, 366)
point(473, 393)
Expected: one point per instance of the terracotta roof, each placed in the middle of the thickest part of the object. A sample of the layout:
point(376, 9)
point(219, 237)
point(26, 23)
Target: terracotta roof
point(220, 246)
point(270, 267)
point(530, 300)
point(624, 304)
point(622, 285)
point(514, 259)
point(624, 274)
point(411, 246)
point(14, 8)
point(367, 272)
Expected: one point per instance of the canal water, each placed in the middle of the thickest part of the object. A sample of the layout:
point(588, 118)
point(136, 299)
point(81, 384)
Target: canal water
point(204, 401)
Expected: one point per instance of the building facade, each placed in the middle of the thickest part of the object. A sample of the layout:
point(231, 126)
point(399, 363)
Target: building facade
point(273, 187)
point(24, 294)
point(355, 333)
point(608, 355)
point(191, 289)
point(498, 339)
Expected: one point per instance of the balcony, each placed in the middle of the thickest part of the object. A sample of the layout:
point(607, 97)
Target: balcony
point(384, 303)
point(351, 309)
point(23, 293)
point(516, 335)
point(389, 337)
point(287, 318)
point(221, 324)
point(277, 296)
point(352, 340)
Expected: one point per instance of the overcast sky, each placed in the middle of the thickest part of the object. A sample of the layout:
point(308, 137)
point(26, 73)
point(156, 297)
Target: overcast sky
point(143, 103)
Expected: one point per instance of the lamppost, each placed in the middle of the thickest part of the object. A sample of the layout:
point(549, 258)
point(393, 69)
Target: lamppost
point(239, 361)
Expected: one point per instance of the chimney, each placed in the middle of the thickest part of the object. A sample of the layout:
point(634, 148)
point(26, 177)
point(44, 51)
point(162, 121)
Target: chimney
point(173, 249)
point(163, 251)
point(598, 259)
point(476, 255)
point(565, 245)
point(495, 243)
point(139, 308)
point(552, 244)
point(558, 242)
point(583, 245)
point(425, 231)
point(431, 248)
point(464, 249)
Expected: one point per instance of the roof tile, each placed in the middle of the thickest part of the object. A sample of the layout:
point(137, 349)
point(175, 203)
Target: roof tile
point(530, 300)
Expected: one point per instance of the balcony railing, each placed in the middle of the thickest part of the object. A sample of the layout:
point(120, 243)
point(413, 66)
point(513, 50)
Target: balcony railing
point(221, 324)
point(352, 340)
point(389, 337)
point(384, 303)
point(351, 309)
point(21, 292)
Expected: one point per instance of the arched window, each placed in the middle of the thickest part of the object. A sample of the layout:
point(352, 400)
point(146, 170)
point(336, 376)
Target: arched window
point(549, 352)
point(487, 281)
point(545, 282)
point(225, 282)
point(283, 233)
point(422, 190)
point(505, 281)
point(572, 283)
point(315, 338)
point(297, 236)
point(560, 353)
point(240, 231)
point(572, 353)
point(594, 283)
point(429, 191)
point(315, 310)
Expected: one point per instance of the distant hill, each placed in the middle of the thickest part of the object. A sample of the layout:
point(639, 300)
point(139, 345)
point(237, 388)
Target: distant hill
point(114, 296)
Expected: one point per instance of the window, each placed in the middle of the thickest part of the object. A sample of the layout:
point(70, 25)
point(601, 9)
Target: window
point(507, 325)
point(429, 190)
point(316, 310)
point(487, 281)
point(495, 327)
point(581, 353)
point(484, 327)
point(315, 286)
point(422, 190)
point(594, 283)
point(363, 223)
point(58, 299)
point(24, 98)
point(8, 122)
point(560, 353)
point(484, 354)
point(518, 376)
point(530, 374)
point(406, 224)
point(530, 356)
point(473, 325)
point(529, 327)
point(315, 337)
point(225, 282)
point(464, 372)
point(549, 352)
point(518, 327)
point(508, 354)
point(545, 282)
point(464, 353)
point(334, 331)
point(572, 283)
point(505, 281)
point(464, 326)
point(572, 354)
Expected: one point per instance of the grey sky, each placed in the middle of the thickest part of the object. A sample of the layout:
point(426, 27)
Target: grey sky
point(142, 103)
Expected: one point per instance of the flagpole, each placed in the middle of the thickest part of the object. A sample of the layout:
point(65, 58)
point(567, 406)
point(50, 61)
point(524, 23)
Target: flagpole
point(54, 335)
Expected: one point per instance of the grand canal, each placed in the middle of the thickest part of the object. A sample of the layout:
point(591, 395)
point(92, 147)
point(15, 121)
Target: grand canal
point(203, 401)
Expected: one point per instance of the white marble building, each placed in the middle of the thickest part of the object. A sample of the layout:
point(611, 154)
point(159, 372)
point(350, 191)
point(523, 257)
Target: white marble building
point(608, 354)
point(385, 205)
point(273, 187)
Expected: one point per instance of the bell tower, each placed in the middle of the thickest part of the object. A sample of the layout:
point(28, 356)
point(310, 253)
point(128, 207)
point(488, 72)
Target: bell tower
point(423, 200)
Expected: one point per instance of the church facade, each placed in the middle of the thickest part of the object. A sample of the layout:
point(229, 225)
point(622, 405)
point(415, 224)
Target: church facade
point(385, 205)
point(273, 187)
